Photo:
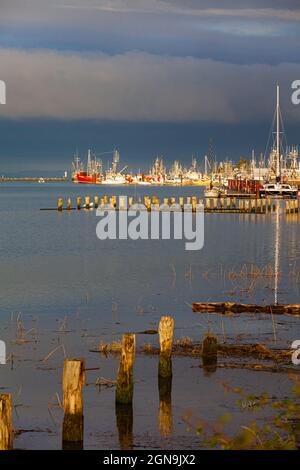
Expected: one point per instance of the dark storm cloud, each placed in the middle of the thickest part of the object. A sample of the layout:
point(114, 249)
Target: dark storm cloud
point(139, 87)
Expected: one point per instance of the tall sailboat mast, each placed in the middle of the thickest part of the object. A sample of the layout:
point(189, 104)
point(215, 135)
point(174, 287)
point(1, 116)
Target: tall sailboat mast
point(278, 137)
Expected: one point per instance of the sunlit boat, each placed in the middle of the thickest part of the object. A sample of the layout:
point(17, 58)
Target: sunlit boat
point(278, 189)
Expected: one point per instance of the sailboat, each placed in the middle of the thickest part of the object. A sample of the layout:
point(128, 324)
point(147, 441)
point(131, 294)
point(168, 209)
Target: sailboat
point(278, 188)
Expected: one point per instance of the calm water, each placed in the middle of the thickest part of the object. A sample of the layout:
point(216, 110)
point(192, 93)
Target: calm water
point(66, 287)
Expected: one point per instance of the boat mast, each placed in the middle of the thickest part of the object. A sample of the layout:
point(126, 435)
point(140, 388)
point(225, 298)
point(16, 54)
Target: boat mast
point(277, 138)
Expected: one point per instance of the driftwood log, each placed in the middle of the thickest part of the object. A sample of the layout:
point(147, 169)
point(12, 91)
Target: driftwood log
point(232, 307)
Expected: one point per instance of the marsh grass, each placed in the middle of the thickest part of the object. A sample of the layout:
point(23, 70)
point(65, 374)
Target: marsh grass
point(279, 430)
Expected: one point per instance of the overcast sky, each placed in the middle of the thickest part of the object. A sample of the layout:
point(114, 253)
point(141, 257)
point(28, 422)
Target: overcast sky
point(210, 65)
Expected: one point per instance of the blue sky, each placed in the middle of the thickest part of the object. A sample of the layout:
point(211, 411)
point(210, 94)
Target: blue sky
point(139, 73)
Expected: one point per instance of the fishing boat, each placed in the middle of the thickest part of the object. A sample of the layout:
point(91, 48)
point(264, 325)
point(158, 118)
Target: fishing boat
point(278, 189)
point(113, 176)
point(93, 172)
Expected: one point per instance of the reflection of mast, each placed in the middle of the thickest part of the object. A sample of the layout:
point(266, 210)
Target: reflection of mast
point(276, 255)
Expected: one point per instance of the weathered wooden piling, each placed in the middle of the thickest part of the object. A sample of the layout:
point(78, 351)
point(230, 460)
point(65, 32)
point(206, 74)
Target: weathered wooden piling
point(60, 204)
point(69, 203)
point(147, 203)
point(73, 381)
point(194, 203)
point(269, 204)
point(105, 197)
point(181, 202)
point(124, 390)
point(165, 330)
point(252, 203)
point(188, 200)
point(96, 201)
point(258, 205)
point(78, 203)
point(87, 201)
point(228, 203)
point(209, 350)
point(6, 434)
point(264, 205)
point(234, 203)
point(207, 203)
point(215, 203)
point(130, 201)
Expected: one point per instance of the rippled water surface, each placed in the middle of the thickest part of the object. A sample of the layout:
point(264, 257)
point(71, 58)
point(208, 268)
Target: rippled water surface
point(61, 286)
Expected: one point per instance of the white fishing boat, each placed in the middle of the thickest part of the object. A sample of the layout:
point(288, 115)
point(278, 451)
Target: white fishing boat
point(278, 189)
point(213, 192)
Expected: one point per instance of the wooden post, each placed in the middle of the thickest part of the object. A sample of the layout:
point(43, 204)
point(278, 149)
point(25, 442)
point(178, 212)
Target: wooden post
point(105, 199)
point(221, 203)
point(73, 380)
point(228, 201)
point(297, 205)
point(165, 330)
point(194, 203)
point(166, 201)
point(87, 200)
point(209, 350)
point(269, 204)
point(287, 206)
point(207, 203)
point(147, 202)
point(258, 205)
point(234, 203)
point(6, 440)
point(264, 205)
point(252, 205)
point(60, 204)
point(124, 390)
point(215, 203)
point(181, 202)
point(130, 201)
point(69, 203)
point(96, 201)
point(79, 203)
point(188, 200)
point(240, 204)
point(247, 205)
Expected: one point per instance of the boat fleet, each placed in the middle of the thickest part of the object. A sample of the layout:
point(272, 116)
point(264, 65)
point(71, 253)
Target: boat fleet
point(271, 175)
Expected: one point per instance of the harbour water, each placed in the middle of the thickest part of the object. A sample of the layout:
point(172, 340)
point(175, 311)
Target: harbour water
point(64, 290)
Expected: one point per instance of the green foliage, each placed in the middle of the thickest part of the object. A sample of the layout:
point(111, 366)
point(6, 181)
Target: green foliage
point(281, 431)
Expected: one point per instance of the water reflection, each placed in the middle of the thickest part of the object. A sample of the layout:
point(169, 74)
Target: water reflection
point(165, 416)
point(124, 419)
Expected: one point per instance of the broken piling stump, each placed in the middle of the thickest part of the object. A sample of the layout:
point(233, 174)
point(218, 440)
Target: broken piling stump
point(73, 380)
point(124, 390)
point(209, 351)
point(5, 422)
point(165, 330)
point(6, 440)
point(232, 307)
